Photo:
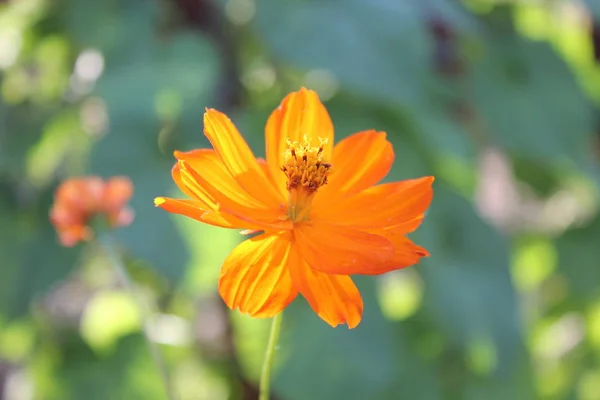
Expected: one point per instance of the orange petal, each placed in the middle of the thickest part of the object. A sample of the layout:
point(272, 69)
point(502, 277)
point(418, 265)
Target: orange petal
point(385, 205)
point(216, 194)
point(339, 250)
point(238, 158)
point(69, 236)
point(176, 175)
point(81, 194)
point(62, 214)
point(334, 298)
point(406, 253)
point(408, 226)
point(117, 192)
point(122, 217)
point(208, 164)
point(267, 171)
point(255, 277)
point(359, 162)
point(206, 179)
point(198, 211)
point(300, 113)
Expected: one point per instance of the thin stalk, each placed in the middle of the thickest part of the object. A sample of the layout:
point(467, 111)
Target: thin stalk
point(110, 250)
point(265, 375)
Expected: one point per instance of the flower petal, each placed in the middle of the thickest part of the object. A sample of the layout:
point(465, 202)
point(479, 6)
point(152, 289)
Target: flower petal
point(238, 158)
point(232, 203)
point(202, 175)
point(81, 194)
point(408, 226)
point(359, 162)
point(334, 298)
point(406, 253)
point(122, 217)
point(208, 164)
point(385, 205)
point(176, 175)
point(255, 277)
point(199, 211)
point(338, 250)
point(300, 113)
point(69, 236)
point(117, 192)
point(267, 171)
point(62, 214)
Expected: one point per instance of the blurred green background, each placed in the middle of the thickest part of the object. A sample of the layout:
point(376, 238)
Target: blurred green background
point(497, 99)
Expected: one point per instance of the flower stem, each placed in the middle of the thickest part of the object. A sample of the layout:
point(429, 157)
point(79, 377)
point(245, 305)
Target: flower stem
point(265, 375)
point(110, 250)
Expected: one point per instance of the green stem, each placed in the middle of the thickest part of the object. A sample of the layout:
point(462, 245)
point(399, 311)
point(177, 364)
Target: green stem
point(265, 375)
point(110, 250)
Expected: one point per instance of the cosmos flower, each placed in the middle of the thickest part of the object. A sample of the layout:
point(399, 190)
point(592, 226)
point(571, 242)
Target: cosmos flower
point(79, 200)
point(320, 212)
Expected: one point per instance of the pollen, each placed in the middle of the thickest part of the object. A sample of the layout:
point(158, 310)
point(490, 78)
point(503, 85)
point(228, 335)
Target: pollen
point(304, 166)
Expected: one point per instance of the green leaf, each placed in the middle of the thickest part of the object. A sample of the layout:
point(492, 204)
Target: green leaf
point(578, 255)
point(33, 260)
point(113, 27)
point(155, 94)
point(515, 384)
point(20, 128)
point(372, 361)
point(128, 373)
point(41, 269)
point(9, 248)
point(152, 235)
point(530, 100)
point(376, 48)
point(593, 6)
point(469, 295)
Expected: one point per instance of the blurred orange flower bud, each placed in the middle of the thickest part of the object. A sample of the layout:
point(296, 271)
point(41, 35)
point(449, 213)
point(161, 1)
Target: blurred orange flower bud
point(78, 200)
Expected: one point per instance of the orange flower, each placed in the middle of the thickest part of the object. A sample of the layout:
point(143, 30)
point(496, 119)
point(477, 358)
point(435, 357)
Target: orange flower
point(321, 217)
point(78, 200)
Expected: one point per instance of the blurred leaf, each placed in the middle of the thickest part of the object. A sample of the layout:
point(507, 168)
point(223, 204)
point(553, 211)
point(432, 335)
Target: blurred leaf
point(530, 99)
point(128, 373)
point(542, 179)
point(594, 7)
point(443, 134)
point(9, 248)
point(515, 384)
point(20, 128)
point(578, 255)
point(63, 145)
point(161, 81)
point(152, 89)
point(49, 264)
point(468, 290)
point(372, 361)
point(379, 48)
point(34, 260)
point(453, 13)
point(114, 27)
point(109, 316)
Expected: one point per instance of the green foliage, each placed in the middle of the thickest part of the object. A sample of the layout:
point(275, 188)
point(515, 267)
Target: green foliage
point(126, 373)
point(577, 250)
point(373, 361)
point(496, 101)
point(516, 90)
point(387, 51)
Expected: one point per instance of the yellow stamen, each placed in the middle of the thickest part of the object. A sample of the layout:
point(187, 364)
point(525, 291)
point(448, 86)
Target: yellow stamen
point(306, 172)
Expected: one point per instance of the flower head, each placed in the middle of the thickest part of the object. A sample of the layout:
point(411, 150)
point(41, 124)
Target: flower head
point(321, 214)
point(78, 200)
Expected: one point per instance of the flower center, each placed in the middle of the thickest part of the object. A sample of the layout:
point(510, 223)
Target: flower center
point(306, 172)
